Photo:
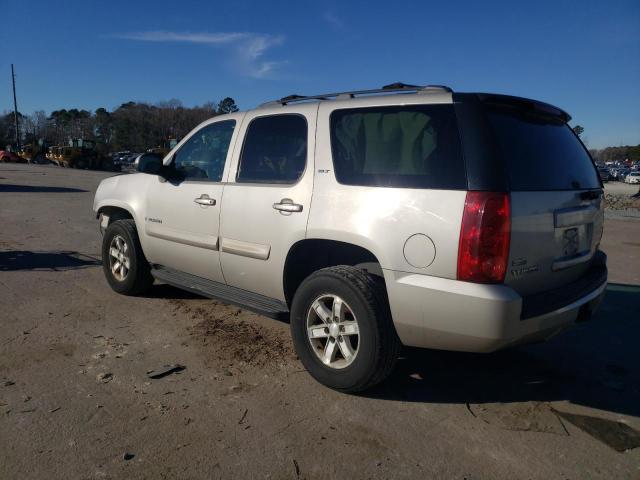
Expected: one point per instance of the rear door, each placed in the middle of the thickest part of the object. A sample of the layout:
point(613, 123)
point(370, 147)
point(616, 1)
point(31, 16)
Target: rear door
point(268, 197)
point(556, 200)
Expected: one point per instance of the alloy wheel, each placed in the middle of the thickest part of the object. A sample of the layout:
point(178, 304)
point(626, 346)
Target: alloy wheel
point(119, 260)
point(332, 330)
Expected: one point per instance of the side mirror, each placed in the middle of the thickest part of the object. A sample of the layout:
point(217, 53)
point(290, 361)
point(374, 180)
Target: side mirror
point(149, 163)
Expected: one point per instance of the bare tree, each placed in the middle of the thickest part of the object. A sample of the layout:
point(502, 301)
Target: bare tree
point(132, 126)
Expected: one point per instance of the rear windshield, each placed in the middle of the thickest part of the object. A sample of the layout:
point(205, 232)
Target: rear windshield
point(541, 153)
point(408, 146)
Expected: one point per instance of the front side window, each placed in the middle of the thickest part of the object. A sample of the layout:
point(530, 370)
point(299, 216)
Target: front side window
point(400, 146)
point(275, 150)
point(203, 156)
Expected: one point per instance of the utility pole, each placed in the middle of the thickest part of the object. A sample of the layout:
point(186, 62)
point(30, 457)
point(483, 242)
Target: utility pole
point(15, 109)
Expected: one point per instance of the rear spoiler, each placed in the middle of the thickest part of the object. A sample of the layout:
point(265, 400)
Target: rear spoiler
point(519, 103)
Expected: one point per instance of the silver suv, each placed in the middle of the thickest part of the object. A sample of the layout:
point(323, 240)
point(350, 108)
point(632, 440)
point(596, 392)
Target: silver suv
point(372, 219)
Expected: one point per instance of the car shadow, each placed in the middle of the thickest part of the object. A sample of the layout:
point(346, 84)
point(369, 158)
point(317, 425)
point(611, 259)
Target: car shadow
point(13, 260)
point(12, 188)
point(595, 364)
point(169, 292)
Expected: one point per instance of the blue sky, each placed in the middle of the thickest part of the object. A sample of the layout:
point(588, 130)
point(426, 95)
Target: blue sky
point(583, 56)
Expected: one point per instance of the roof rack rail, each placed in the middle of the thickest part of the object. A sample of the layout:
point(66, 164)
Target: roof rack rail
point(391, 88)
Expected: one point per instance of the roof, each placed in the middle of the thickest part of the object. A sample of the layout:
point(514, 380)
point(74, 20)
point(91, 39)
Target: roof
point(397, 87)
point(387, 92)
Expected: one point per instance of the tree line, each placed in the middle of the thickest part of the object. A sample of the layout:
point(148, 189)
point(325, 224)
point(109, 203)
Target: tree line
point(611, 154)
point(134, 126)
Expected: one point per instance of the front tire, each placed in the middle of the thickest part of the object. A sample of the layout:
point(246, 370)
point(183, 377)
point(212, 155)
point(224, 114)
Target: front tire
point(123, 260)
point(342, 329)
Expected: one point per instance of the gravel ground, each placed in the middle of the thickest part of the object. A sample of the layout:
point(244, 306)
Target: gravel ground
point(621, 188)
point(76, 399)
point(620, 203)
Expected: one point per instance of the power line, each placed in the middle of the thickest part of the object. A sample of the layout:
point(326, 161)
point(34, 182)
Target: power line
point(15, 109)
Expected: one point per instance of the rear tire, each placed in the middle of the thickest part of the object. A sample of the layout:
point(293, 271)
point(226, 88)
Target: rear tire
point(123, 260)
point(369, 358)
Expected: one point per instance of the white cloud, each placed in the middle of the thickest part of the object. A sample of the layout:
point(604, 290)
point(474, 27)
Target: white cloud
point(164, 36)
point(264, 69)
point(248, 48)
point(258, 44)
point(249, 56)
point(334, 21)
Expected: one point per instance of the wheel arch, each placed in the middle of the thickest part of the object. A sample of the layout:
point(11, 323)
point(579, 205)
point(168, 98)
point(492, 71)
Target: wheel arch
point(115, 212)
point(311, 254)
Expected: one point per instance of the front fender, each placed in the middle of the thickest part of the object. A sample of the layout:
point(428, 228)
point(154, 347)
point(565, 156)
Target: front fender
point(127, 192)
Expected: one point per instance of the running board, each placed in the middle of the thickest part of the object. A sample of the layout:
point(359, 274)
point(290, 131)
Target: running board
point(269, 307)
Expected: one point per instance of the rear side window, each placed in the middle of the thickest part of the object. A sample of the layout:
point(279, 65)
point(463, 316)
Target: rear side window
point(408, 146)
point(275, 150)
point(541, 153)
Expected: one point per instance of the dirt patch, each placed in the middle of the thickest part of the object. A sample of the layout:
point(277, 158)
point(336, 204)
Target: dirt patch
point(225, 335)
point(617, 202)
point(617, 435)
point(525, 416)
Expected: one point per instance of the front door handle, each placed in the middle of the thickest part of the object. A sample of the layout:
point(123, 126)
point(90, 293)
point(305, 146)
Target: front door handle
point(204, 199)
point(287, 207)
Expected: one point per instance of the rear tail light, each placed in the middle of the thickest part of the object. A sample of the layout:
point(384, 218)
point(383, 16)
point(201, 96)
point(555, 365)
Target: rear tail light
point(483, 250)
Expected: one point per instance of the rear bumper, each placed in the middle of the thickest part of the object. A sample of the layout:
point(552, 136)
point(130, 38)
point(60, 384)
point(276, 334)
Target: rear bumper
point(446, 314)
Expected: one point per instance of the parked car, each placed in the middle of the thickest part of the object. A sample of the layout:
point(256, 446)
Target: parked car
point(124, 160)
point(622, 173)
point(9, 156)
point(373, 219)
point(120, 157)
point(632, 177)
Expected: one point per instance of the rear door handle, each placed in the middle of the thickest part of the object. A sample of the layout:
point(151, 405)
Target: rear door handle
point(286, 206)
point(204, 199)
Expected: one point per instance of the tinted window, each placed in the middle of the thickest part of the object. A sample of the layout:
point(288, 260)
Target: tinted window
point(411, 146)
point(541, 153)
point(202, 157)
point(275, 150)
